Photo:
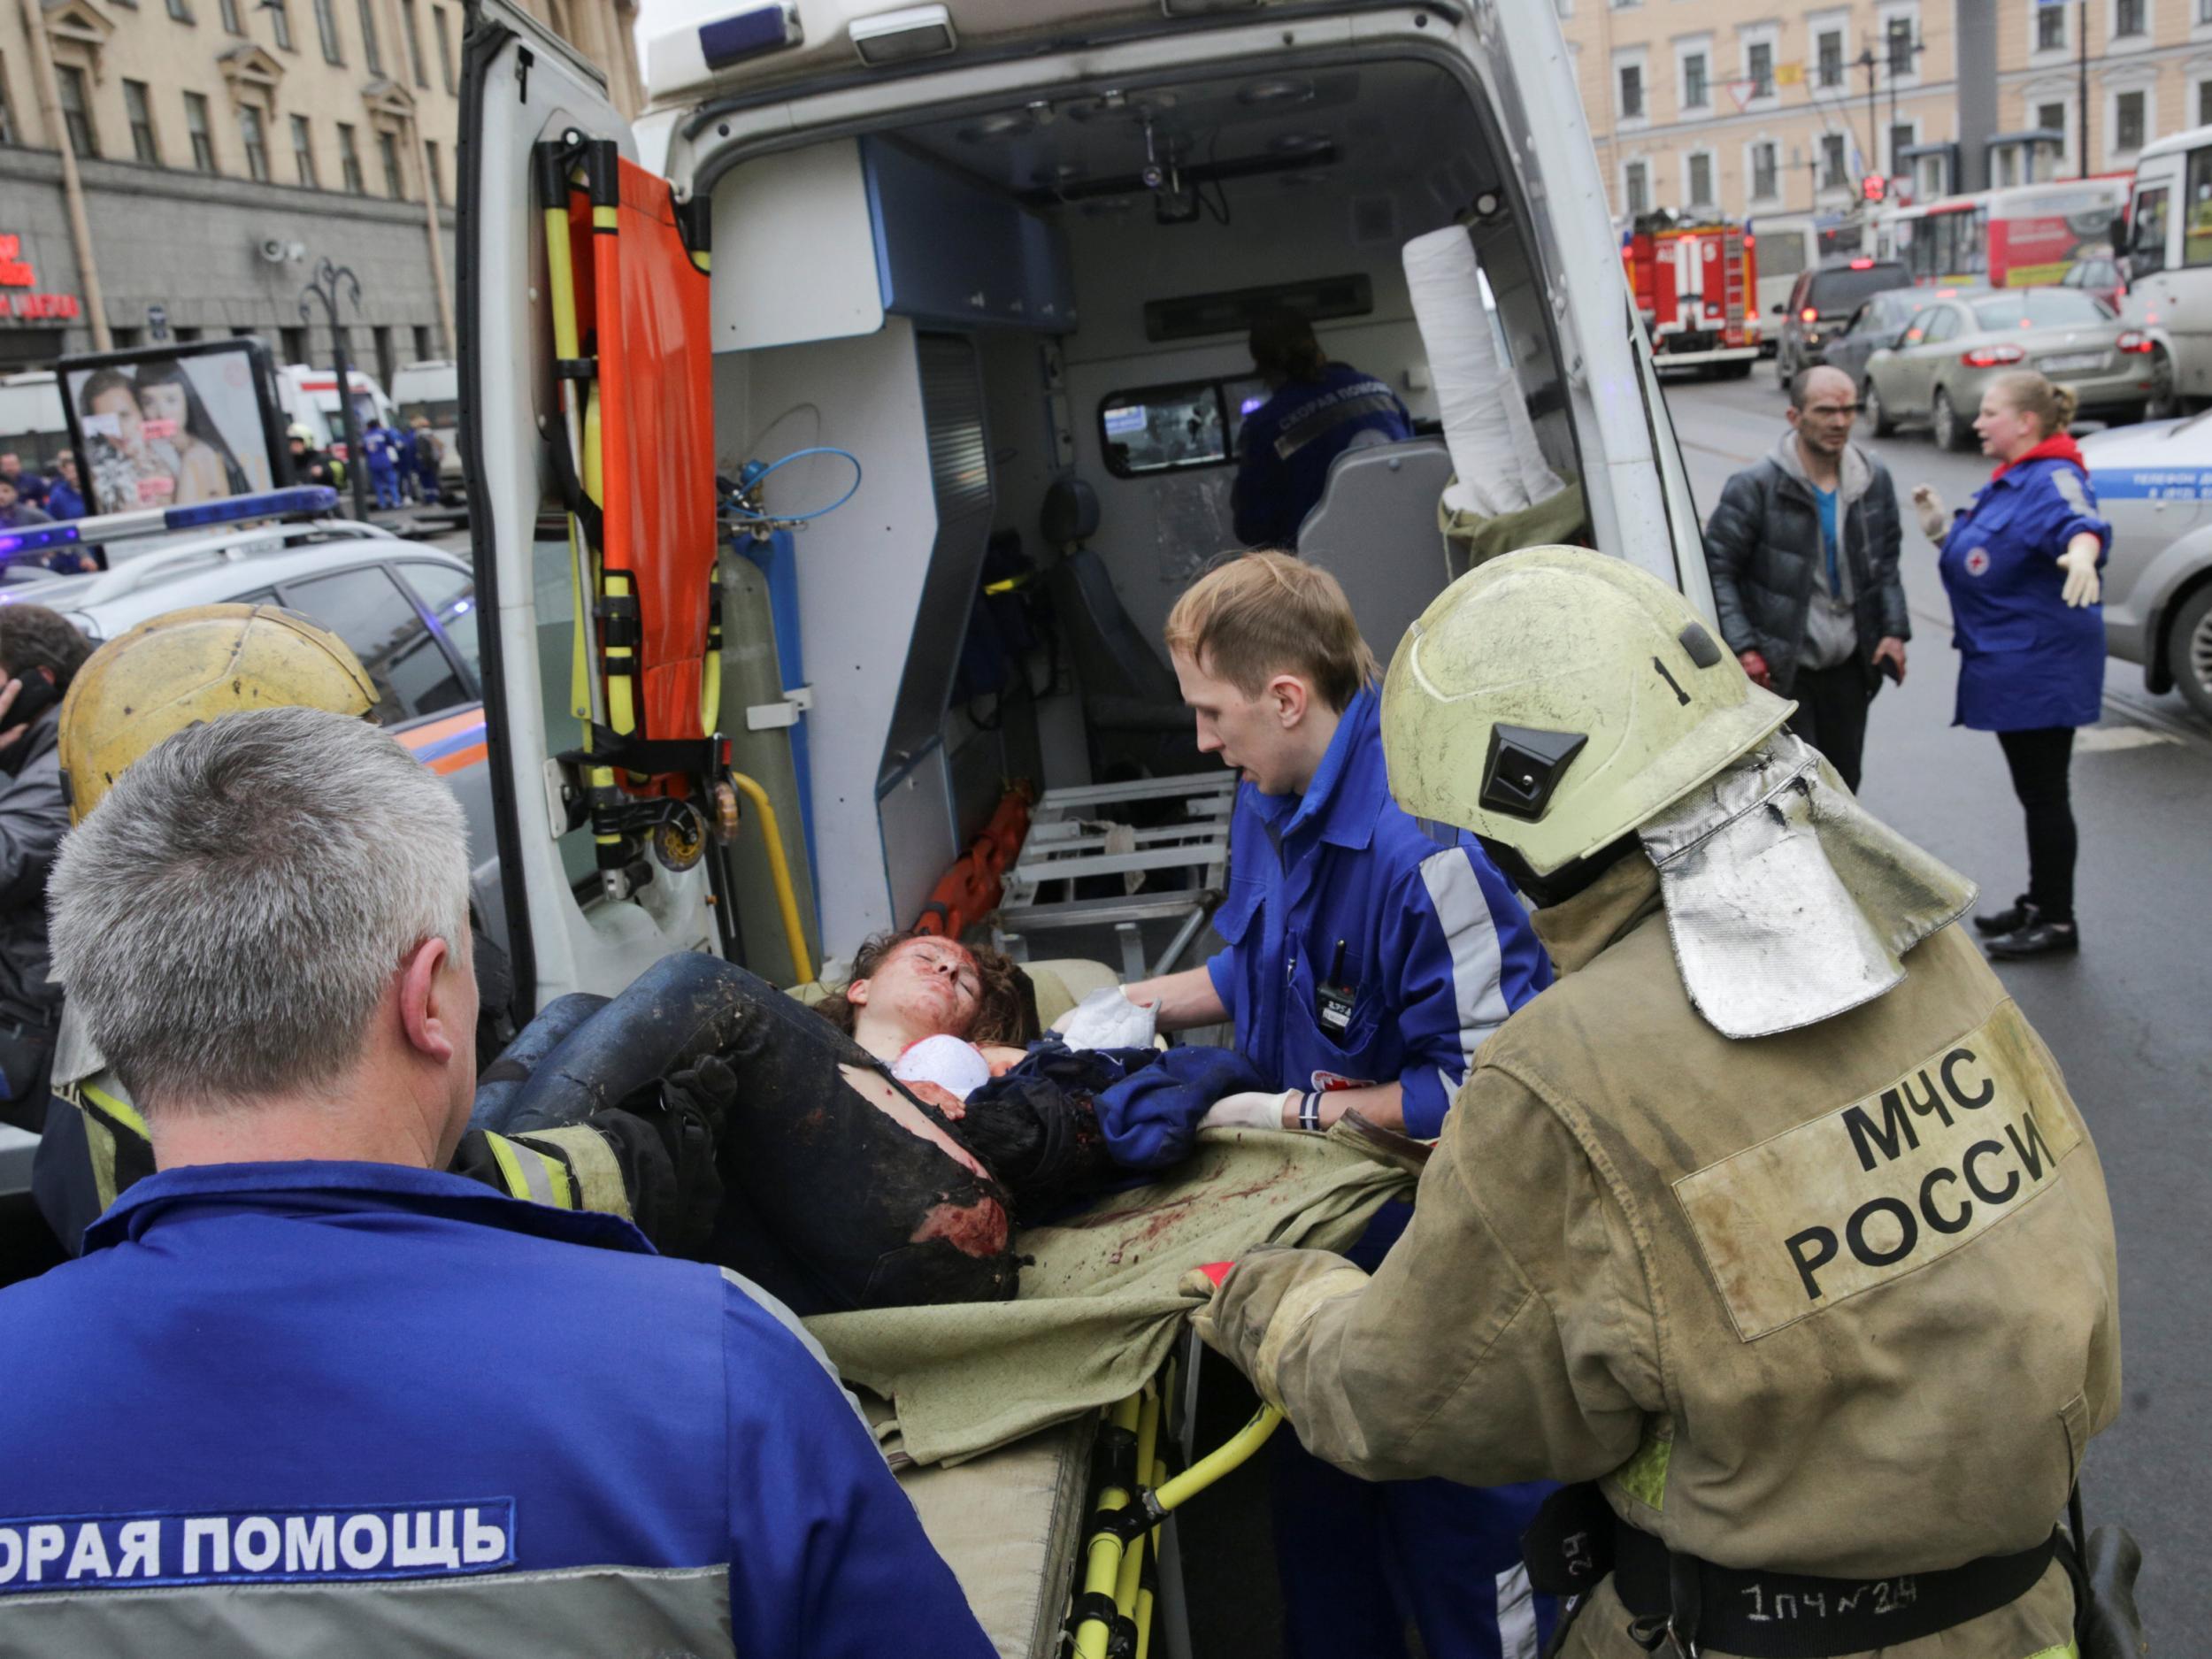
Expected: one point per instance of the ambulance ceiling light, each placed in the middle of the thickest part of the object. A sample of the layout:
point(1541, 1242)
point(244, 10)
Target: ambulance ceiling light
point(1298, 144)
point(902, 37)
point(994, 129)
point(1275, 92)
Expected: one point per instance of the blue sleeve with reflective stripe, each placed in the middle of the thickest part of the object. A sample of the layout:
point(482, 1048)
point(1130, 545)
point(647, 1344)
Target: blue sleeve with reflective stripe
point(827, 1559)
point(1469, 959)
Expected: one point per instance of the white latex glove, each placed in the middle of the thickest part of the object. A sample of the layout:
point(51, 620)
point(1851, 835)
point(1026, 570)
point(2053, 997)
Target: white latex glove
point(1254, 1108)
point(1933, 520)
point(1107, 1019)
point(2079, 561)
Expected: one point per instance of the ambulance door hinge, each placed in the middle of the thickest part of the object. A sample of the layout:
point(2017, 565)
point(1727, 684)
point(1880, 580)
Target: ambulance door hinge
point(770, 717)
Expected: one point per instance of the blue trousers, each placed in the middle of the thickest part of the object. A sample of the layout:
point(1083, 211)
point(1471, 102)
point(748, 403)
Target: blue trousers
point(385, 481)
point(1360, 1560)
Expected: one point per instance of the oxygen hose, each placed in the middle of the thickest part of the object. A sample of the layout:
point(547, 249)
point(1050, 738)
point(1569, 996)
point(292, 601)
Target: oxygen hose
point(756, 474)
point(779, 872)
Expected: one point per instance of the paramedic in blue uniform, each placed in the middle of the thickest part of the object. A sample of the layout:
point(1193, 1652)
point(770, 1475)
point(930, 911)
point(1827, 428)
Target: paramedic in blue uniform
point(2020, 564)
point(372, 1407)
point(1316, 409)
point(1365, 964)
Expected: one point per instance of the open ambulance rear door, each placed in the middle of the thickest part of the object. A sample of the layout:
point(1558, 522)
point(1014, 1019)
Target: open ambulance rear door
point(580, 915)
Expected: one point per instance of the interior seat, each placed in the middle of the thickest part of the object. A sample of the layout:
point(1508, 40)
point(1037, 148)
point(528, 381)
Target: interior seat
point(1132, 705)
point(1375, 530)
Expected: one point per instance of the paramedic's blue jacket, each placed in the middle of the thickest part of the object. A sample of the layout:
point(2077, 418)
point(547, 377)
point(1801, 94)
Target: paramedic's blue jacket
point(1437, 948)
point(1288, 442)
point(349, 1408)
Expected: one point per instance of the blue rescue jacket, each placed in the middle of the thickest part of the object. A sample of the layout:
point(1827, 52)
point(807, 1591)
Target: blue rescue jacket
point(382, 446)
point(1437, 950)
point(352, 1407)
point(1289, 440)
point(2026, 659)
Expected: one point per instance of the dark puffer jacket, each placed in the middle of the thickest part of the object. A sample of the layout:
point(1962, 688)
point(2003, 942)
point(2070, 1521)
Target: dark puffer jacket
point(1763, 548)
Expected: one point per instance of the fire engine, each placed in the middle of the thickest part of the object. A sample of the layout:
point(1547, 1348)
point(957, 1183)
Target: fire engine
point(1694, 287)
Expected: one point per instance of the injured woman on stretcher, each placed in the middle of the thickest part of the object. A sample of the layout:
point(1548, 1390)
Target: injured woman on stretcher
point(880, 1149)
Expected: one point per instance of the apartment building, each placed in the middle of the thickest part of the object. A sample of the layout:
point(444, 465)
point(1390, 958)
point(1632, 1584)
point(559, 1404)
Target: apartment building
point(222, 149)
point(1744, 107)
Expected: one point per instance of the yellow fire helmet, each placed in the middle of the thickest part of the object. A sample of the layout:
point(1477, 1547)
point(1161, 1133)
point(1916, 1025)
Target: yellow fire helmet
point(1554, 699)
point(192, 665)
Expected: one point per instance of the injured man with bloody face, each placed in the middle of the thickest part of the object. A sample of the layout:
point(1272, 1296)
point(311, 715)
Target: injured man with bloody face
point(878, 1149)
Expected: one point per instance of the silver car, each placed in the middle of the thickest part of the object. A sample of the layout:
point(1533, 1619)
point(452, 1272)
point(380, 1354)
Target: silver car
point(2155, 483)
point(1939, 364)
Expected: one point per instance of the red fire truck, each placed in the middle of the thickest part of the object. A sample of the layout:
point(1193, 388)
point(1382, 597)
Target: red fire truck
point(1695, 287)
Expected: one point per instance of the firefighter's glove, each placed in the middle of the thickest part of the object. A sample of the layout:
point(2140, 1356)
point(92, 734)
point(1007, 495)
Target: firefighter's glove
point(2079, 561)
point(1202, 1282)
point(695, 1109)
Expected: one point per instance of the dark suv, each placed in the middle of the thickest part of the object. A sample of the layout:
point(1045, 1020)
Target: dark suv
point(1821, 304)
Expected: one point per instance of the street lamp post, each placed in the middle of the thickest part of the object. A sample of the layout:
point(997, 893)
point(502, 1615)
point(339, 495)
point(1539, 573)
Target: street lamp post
point(329, 280)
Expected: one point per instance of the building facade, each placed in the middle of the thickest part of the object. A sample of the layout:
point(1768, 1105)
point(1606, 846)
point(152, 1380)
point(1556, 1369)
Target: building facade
point(1741, 107)
point(222, 149)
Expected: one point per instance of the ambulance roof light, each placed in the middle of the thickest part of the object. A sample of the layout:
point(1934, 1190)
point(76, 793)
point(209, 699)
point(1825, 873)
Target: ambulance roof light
point(902, 37)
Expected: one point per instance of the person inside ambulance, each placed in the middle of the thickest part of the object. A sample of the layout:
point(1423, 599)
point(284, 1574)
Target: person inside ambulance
point(1364, 966)
point(208, 662)
point(397, 1413)
point(1316, 409)
point(1771, 1224)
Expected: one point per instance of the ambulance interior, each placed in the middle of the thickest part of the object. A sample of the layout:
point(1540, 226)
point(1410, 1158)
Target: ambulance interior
point(1027, 324)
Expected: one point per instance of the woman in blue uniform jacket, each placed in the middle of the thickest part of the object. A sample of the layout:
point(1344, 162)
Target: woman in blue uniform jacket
point(2020, 564)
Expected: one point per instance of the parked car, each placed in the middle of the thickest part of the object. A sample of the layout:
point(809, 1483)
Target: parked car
point(1822, 301)
point(2155, 483)
point(1936, 369)
point(1877, 324)
point(2100, 276)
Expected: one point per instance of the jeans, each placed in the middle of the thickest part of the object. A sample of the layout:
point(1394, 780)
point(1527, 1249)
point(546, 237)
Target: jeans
point(2039, 760)
point(1831, 704)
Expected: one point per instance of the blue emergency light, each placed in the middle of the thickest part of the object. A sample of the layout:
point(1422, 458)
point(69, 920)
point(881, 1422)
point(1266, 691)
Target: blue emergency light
point(37, 538)
point(302, 501)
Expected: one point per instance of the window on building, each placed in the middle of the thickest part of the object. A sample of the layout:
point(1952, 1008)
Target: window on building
point(1694, 96)
point(1897, 39)
point(326, 27)
point(387, 153)
point(441, 26)
point(2204, 103)
point(231, 19)
point(1759, 68)
point(2050, 118)
point(1765, 180)
point(7, 111)
point(2050, 26)
point(1631, 92)
point(1829, 51)
point(280, 23)
point(1636, 188)
point(1833, 166)
point(1700, 173)
point(2204, 13)
point(254, 132)
point(2128, 120)
point(371, 54)
point(2127, 17)
point(138, 105)
point(350, 161)
point(304, 151)
point(422, 342)
point(179, 11)
point(1902, 137)
point(413, 25)
point(196, 128)
point(76, 109)
point(295, 344)
point(437, 176)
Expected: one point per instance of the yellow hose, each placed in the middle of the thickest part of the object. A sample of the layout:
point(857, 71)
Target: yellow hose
point(1231, 1454)
point(780, 872)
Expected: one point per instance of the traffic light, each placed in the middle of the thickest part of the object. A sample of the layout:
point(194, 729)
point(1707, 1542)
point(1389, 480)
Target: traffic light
point(1874, 186)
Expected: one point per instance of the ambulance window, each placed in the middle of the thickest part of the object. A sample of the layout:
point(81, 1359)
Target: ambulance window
point(366, 609)
point(1163, 428)
point(449, 596)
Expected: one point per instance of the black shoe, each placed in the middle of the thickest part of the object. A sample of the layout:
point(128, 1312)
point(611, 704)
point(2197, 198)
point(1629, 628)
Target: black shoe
point(2037, 939)
point(2021, 914)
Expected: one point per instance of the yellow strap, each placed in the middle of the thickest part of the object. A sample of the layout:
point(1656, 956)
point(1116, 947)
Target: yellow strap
point(2069, 1651)
point(536, 1177)
point(117, 1108)
point(599, 1184)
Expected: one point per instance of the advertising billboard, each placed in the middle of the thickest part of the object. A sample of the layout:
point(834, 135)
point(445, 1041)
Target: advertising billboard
point(175, 426)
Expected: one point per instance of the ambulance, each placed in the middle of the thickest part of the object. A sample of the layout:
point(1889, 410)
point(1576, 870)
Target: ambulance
point(837, 439)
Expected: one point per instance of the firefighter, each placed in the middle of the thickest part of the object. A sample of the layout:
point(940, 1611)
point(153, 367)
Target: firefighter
point(199, 665)
point(1771, 1221)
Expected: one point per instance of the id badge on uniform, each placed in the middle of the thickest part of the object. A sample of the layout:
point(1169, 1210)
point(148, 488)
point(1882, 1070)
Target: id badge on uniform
point(1332, 999)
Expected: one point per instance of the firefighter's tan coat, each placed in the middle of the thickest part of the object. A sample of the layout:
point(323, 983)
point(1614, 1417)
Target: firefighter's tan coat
point(1840, 1302)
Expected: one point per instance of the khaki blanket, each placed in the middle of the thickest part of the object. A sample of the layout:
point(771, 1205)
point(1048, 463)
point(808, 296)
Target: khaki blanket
point(1099, 1310)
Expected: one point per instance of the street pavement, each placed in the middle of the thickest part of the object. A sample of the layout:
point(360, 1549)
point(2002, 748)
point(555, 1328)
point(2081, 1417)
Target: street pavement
point(2127, 1018)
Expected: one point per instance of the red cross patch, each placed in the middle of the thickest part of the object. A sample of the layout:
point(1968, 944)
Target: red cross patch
point(1978, 561)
